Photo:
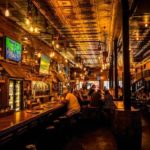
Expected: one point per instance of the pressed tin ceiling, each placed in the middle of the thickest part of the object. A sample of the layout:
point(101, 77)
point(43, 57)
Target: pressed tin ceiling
point(83, 28)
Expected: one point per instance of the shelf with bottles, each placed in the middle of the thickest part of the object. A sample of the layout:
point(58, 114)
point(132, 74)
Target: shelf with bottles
point(17, 94)
point(17, 105)
point(42, 96)
point(10, 102)
point(40, 88)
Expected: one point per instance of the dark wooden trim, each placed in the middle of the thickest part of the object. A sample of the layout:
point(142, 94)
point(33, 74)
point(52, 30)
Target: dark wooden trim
point(115, 68)
point(126, 59)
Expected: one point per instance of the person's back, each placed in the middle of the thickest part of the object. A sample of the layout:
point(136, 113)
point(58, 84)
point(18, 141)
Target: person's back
point(96, 100)
point(108, 100)
point(73, 104)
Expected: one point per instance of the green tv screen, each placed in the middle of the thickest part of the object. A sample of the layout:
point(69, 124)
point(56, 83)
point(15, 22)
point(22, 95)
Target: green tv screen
point(44, 64)
point(13, 50)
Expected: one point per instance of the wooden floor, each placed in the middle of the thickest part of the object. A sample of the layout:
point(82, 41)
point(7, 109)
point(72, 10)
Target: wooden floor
point(98, 138)
point(93, 136)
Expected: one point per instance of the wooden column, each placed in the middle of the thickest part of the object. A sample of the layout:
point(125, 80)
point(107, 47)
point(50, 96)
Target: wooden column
point(127, 121)
point(115, 68)
point(126, 60)
point(111, 73)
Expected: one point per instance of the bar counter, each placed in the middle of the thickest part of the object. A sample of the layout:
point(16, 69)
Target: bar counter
point(119, 105)
point(14, 122)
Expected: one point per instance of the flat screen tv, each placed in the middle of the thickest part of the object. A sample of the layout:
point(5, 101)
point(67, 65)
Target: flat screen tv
point(13, 50)
point(44, 64)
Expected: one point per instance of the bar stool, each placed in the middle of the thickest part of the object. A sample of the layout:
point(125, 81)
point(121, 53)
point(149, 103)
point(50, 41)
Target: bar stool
point(47, 139)
point(30, 147)
point(75, 123)
point(56, 123)
point(64, 122)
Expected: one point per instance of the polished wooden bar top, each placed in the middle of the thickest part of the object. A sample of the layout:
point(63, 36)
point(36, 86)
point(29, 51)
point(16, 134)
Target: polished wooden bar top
point(23, 117)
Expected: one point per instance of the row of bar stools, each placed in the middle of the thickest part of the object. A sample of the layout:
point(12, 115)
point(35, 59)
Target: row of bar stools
point(75, 123)
point(62, 128)
point(48, 138)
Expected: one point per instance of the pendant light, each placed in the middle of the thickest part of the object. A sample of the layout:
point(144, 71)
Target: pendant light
point(7, 13)
point(29, 14)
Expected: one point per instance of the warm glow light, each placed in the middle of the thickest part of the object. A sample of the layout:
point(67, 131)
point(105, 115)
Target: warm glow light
point(36, 30)
point(25, 38)
point(137, 38)
point(53, 54)
point(53, 42)
point(146, 25)
point(31, 29)
point(39, 55)
point(57, 45)
point(66, 60)
point(27, 21)
point(7, 14)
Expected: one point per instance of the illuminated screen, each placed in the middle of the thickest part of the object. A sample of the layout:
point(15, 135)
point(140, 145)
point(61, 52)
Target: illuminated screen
point(13, 50)
point(44, 64)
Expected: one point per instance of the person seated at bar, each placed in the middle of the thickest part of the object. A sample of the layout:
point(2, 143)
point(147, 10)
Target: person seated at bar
point(78, 95)
point(96, 99)
point(73, 106)
point(91, 91)
point(108, 101)
point(83, 92)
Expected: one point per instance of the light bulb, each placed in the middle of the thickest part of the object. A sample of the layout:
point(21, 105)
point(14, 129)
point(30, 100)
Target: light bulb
point(27, 21)
point(31, 29)
point(36, 30)
point(57, 45)
point(53, 42)
point(146, 25)
point(7, 14)
point(39, 55)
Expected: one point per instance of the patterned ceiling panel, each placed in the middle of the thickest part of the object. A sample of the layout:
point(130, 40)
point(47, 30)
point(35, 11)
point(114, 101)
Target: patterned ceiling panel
point(84, 25)
point(85, 21)
point(81, 23)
